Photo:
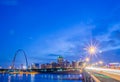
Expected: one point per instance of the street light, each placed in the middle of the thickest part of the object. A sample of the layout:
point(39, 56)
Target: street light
point(96, 63)
point(92, 50)
point(87, 59)
point(101, 62)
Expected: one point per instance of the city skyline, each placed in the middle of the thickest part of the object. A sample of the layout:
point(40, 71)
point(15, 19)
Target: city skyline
point(47, 29)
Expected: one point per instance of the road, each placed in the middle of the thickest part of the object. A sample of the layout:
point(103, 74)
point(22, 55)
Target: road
point(105, 74)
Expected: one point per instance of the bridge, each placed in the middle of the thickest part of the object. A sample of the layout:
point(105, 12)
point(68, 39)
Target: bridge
point(98, 73)
point(105, 74)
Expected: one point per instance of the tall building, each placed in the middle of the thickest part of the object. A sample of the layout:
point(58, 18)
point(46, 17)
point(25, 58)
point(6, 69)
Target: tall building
point(60, 59)
point(80, 64)
point(54, 64)
point(48, 65)
point(43, 66)
point(74, 64)
point(66, 64)
point(35, 66)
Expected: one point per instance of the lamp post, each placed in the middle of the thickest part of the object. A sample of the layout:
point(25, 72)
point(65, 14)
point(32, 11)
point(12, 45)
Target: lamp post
point(87, 59)
point(101, 62)
point(92, 51)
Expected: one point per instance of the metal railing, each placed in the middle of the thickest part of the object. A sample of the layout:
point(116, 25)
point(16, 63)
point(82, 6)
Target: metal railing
point(88, 77)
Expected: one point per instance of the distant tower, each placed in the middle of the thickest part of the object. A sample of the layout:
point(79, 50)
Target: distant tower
point(60, 59)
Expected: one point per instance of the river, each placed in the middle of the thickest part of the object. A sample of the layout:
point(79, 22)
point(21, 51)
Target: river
point(38, 78)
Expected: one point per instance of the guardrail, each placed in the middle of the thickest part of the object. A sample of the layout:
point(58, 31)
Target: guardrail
point(88, 77)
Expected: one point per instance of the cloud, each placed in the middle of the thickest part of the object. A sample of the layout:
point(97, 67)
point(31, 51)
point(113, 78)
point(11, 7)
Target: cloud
point(115, 34)
point(111, 55)
point(111, 36)
point(53, 55)
point(66, 42)
point(70, 42)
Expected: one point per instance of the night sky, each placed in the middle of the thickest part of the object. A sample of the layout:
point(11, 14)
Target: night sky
point(45, 29)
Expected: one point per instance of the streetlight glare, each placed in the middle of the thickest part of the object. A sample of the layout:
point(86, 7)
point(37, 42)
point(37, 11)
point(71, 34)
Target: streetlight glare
point(92, 50)
point(87, 59)
point(100, 62)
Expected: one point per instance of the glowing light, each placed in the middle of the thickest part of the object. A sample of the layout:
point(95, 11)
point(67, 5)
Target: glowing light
point(96, 63)
point(92, 50)
point(100, 51)
point(10, 67)
point(87, 59)
point(100, 62)
point(24, 67)
point(110, 71)
point(84, 64)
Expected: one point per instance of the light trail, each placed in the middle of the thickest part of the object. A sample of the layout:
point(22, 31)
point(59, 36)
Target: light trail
point(110, 71)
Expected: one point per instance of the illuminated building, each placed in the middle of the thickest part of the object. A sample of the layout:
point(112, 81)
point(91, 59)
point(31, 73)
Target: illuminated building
point(74, 64)
point(60, 62)
point(114, 65)
point(48, 65)
point(35, 66)
point(54, 64)
point(66, 64)
point(60, 59)
point(42, 66)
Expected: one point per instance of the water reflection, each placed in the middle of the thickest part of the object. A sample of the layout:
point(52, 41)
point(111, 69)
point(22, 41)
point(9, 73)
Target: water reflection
point(20, 76)
point(32, 77)
point(9, 78)
point(38, 78)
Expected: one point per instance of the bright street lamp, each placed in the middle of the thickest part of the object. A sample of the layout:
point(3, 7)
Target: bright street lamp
point(87, 59)
point(100, 62)
point(92, 50)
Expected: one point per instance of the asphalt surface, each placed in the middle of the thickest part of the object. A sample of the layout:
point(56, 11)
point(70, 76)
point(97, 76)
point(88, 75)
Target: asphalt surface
point(104, 78)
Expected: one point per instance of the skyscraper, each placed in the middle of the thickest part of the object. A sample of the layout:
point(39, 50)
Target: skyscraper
point(60, 61)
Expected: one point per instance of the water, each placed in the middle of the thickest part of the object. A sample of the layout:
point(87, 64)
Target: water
point(37, 78)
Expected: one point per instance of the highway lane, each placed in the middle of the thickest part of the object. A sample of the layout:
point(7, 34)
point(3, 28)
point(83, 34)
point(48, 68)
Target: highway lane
point(104, 78)
point(111, 71)
point(104, 74)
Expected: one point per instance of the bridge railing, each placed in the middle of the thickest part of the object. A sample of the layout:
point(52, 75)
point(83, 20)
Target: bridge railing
point(88, 77)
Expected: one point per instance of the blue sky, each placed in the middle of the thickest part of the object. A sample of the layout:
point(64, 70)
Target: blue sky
point(48, 28)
